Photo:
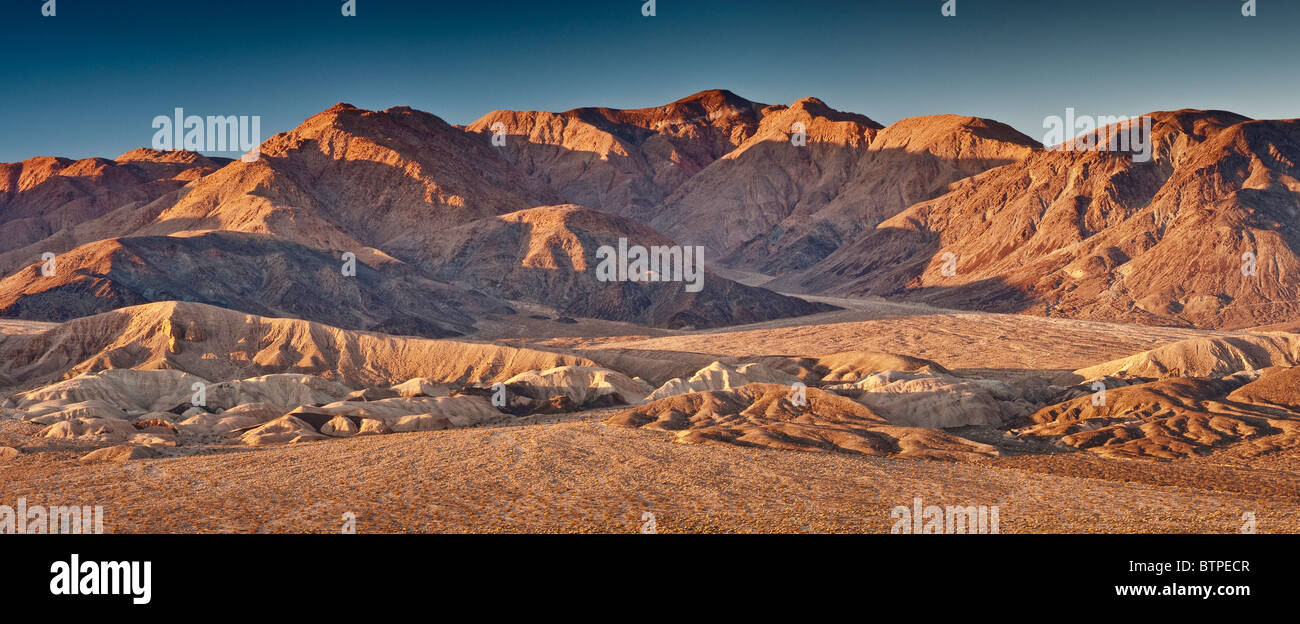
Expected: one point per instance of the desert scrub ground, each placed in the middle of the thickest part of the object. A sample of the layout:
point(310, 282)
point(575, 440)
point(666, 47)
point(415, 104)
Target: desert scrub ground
point(576, 474)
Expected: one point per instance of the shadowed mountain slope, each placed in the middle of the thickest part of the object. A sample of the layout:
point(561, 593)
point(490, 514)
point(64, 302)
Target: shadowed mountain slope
point(396, 188)
point(549, 255)
point(772, 206)
point(254, 273)
point(1095, 235)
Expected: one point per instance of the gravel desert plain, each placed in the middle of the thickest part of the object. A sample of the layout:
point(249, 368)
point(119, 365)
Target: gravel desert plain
point(388, 323)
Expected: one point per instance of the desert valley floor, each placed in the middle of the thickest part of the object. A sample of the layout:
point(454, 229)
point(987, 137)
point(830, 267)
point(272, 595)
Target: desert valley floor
point(580, 471)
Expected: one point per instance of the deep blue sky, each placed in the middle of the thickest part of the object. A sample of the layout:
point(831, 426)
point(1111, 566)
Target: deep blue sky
point(89, 81)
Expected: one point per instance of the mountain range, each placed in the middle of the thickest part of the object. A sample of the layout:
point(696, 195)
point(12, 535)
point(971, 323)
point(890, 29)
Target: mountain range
point(449, 225)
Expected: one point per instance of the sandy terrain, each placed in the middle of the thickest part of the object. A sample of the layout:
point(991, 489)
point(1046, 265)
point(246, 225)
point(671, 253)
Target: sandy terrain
point(580, 475)
point(575, 473)
point(955, 339)
point(17, 327)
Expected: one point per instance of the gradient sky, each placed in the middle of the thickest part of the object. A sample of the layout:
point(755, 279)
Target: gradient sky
point(89, 81)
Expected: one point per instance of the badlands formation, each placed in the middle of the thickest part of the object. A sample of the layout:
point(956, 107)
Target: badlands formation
point(196, 359)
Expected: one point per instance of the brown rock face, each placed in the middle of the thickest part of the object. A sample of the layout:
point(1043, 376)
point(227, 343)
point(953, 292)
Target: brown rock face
point(549, 255)
point(256, 273)
point(772, 206)
point(624, 161)
point(407, 194)
point(350, 179)
point(41, 196)
point(1096, 235)
point(956, 211)
point(722, 171)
